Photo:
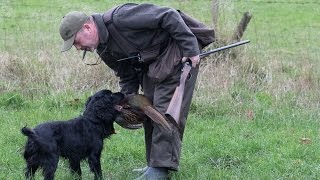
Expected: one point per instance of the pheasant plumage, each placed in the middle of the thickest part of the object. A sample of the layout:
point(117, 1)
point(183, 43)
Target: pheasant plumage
point(135, 109)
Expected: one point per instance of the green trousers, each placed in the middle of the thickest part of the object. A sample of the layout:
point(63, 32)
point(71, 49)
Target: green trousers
point(163, 147)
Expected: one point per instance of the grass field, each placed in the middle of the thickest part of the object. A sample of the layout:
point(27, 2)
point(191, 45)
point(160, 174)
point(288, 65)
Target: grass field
point(253, 117)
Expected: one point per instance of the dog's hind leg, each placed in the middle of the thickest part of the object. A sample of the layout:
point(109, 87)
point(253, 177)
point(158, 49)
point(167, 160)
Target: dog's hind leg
point(32, 160)
point(95, 166)
point(50, 166)
point(75, 167)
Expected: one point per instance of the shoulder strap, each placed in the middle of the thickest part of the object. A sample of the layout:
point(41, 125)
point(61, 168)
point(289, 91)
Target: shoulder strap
point(123, 43)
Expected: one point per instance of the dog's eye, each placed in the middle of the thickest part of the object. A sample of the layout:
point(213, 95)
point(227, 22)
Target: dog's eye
point(118, 107)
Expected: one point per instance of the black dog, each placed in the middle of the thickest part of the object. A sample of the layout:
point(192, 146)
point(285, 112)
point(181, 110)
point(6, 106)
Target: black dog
point(77, 139)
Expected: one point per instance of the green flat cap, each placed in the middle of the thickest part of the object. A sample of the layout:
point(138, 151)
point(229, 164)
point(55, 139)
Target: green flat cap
point(70, 24)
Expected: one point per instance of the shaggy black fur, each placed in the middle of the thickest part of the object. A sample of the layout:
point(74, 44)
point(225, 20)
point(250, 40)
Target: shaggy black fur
point(77, 139)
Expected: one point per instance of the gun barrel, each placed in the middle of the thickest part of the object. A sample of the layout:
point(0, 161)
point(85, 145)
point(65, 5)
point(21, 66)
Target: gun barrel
point(205, 54)
point(202, 55)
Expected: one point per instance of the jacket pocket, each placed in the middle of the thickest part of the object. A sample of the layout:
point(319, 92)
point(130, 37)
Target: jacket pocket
point(164, 64)
point(150, 54)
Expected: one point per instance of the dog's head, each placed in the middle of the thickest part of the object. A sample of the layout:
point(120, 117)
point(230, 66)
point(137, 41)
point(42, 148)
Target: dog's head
point(101, 107)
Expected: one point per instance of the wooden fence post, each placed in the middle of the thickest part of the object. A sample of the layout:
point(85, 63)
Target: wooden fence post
point(237, 35)
point(215, 14)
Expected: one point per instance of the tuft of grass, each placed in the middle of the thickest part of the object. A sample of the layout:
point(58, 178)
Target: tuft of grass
point(13, 100)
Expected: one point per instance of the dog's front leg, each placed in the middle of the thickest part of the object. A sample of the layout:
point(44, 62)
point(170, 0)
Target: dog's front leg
point(95, 166)
point(75, 167)
point(30, 171)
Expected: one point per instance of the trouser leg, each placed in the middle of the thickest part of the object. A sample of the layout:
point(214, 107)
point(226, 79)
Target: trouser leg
point(148, 90)
point(163, 147)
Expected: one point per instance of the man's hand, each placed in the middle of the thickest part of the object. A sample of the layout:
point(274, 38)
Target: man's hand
point(194, 60)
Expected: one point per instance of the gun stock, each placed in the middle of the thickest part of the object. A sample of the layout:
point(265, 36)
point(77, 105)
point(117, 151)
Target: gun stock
point(174, 108)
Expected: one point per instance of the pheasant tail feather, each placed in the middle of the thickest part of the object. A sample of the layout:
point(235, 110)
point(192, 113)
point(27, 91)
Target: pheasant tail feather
point(156, 116)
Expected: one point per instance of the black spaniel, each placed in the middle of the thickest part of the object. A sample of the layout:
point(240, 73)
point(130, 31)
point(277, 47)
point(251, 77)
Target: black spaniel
point(76, 139)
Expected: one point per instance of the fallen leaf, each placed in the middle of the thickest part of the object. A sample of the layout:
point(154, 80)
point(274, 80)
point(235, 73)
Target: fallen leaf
point(250, 114)
point(305, 141)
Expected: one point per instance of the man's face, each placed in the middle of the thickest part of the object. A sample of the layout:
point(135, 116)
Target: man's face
point(87, 38)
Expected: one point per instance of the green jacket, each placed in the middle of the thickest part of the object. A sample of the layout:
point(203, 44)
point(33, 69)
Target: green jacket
point(144, 26)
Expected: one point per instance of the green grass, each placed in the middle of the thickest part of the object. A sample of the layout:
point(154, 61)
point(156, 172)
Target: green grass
point(224, 146)
point(248, 116)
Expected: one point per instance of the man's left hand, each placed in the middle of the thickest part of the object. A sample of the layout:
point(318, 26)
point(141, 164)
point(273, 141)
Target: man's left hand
point(194, 60)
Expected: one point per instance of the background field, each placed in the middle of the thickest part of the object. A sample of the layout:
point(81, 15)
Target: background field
point(253, 117)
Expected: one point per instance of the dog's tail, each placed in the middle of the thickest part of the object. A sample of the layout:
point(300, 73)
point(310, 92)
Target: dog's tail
point(43, 144)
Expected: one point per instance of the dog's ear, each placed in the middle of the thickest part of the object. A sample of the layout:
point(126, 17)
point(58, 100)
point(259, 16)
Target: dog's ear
point(104, 108)
point(98, 95)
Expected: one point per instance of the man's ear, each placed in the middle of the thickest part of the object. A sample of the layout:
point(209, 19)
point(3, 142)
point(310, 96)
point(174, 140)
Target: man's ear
point(87, 27)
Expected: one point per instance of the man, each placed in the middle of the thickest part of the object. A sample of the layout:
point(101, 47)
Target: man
point(159, 41)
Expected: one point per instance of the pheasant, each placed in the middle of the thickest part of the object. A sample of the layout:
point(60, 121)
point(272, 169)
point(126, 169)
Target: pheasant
point(137, 108)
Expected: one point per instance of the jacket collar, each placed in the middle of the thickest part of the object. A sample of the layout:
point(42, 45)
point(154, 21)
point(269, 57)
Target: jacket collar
point(102, 30)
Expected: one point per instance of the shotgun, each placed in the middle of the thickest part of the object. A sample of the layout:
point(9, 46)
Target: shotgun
point(174, 108)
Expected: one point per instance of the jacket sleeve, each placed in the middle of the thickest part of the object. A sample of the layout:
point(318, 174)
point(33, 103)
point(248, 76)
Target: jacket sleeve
point(149, 16)
point(129, 80)
point(129, 83)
